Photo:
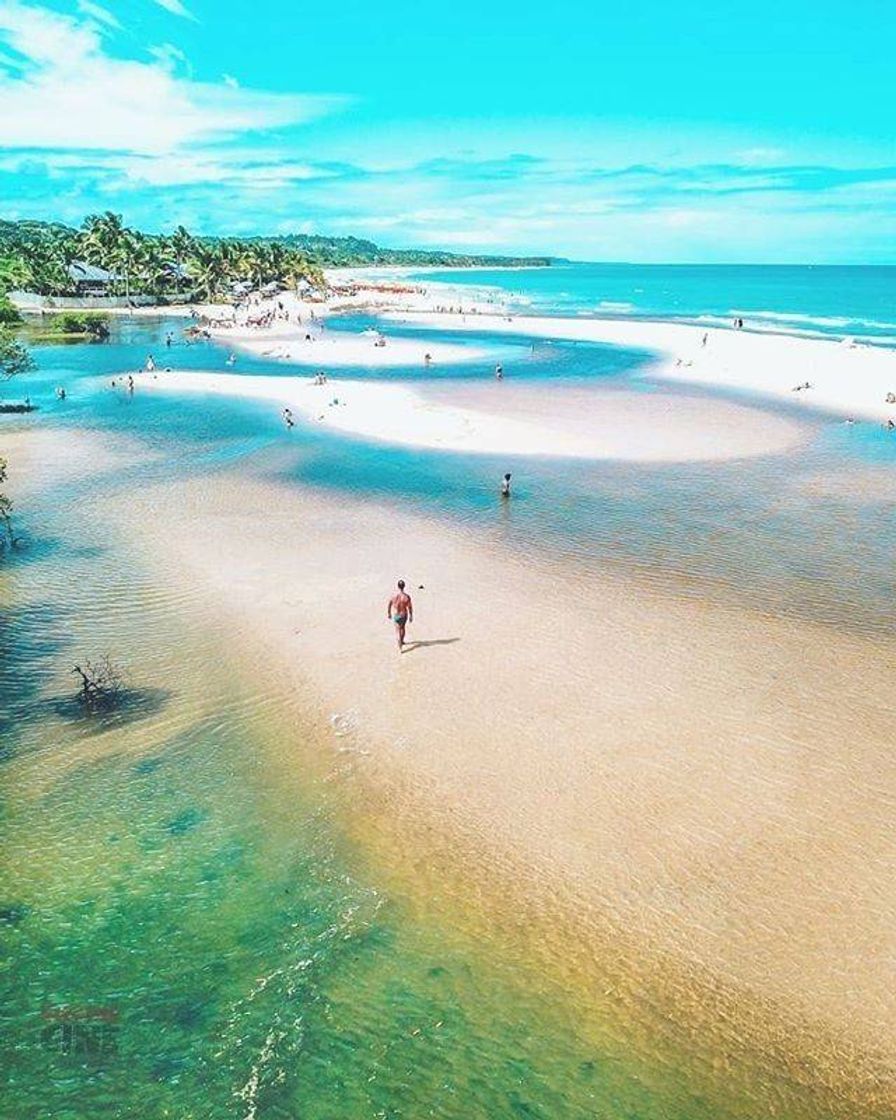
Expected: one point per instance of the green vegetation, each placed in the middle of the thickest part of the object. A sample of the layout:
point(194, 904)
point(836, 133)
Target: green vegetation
point(36, 257)
point(335, 252)
point(9, 316)
point(14, 356)
point(88, 325)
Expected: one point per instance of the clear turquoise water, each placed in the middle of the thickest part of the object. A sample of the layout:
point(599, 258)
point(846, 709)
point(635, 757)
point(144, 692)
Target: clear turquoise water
point(784, 538)
point(811, 299)
point(181, 870)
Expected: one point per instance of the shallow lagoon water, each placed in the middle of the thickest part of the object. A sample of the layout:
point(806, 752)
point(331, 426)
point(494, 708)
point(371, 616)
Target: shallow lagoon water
point(772, 531)
point(182, 882)
point(194, 870)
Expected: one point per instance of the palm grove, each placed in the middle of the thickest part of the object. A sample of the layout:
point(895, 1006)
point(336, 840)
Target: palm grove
point(36, 256)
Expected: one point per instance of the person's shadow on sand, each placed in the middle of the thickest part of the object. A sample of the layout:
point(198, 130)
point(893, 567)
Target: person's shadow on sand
point(409, 647)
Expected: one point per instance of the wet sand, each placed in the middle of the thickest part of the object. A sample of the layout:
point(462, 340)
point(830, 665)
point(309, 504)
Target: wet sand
point(717, 785)
point(287, 343)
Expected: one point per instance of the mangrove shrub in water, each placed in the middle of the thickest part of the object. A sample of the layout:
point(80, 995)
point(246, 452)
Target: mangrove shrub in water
point(15, 357)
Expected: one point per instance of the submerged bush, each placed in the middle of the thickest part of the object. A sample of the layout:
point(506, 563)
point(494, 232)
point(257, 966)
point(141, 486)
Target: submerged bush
point(91, 323)
point(102, 684)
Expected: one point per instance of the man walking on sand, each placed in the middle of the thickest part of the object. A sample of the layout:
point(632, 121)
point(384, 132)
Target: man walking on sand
point(401, 611)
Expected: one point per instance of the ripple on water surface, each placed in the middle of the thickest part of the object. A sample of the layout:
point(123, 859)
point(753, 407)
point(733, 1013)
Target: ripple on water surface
point(187, 872)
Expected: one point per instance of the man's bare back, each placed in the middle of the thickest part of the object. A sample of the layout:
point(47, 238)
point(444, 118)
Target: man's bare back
point(401, 611)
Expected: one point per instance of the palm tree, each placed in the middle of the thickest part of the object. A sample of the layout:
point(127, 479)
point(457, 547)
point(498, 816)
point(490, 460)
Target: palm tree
point(128, 257)
point(140, 259)
point(106, 241)
point(46, 262)
point(299, 268)
point(14, 273)
point(182, 245)
point(101, 237)
point(277, 261)
point(213, 268)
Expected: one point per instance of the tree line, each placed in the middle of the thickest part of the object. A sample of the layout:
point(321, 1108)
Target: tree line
point(35, 256)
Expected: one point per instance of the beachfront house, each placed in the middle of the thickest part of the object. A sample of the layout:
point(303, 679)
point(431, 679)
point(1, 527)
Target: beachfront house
point(90, 280)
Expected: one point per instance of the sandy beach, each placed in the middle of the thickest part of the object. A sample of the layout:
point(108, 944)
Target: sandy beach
point(847, 379)
point(502, 419)
point(706, 781)
point(298, 333)
point(696, 795)
point(326, 349)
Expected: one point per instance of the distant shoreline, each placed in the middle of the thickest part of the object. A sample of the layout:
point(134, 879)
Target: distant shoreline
point(843, 377)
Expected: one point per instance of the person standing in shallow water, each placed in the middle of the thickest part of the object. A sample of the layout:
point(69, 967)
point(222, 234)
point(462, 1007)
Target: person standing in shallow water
point(401, 611)
point(505, 486)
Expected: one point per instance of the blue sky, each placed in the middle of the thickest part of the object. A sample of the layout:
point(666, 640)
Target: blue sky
point(661, 131)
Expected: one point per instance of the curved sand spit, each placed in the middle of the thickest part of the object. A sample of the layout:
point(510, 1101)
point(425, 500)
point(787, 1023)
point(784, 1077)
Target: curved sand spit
point(521, 420)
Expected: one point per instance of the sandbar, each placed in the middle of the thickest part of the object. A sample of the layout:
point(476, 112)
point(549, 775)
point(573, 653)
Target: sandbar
point(849, 379)
point(500, 419)
point(718, 783)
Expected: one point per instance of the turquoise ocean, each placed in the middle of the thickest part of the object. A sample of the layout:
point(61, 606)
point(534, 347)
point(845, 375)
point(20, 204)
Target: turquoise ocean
point(817, 300)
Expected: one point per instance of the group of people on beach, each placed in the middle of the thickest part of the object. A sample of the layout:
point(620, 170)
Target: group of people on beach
point(261, 321)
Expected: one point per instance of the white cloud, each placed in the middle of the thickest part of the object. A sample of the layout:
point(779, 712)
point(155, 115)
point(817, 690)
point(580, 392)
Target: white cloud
point(235, 168)
point(177, 8)
point(44, 38)
point(100, 14)
point(72, 94)
point(170, 58)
